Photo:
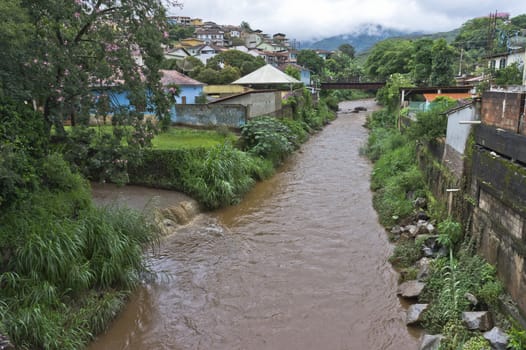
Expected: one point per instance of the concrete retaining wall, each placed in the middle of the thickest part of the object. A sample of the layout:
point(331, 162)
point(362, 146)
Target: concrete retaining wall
point(233, 116)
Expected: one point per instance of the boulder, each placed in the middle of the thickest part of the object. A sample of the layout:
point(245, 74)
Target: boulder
point(471, 298)
point(478, 320)
point(497, 338)
point(421, 215)
point(410, 289)
point(431, 342)
point(411, 229)
point(396, 230)
point(420, 203)
point(423, 265)
point(415, 313)
point(430, 228)
point(5, 343)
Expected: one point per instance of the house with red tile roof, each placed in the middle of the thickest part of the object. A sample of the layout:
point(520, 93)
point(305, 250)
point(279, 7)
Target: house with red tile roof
point(189, 89)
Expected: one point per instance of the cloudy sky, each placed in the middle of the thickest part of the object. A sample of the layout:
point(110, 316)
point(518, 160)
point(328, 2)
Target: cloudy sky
point(306, 19)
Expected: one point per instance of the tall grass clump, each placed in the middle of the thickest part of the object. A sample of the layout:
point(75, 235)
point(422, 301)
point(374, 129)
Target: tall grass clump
point(66, 265)
point(222, 176)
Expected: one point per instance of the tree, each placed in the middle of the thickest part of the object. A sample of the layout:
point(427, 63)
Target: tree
point(389, 95)
point(245, 62)
point(511, 75)
point(245, 27)
point(423, 61)
point(311, 60)
point(75, 46)
point(388, 57)
point(293, 72)
point(519, 21)
point(347, 49)
point(442, 68)
point(178, 32)
point(15, 33)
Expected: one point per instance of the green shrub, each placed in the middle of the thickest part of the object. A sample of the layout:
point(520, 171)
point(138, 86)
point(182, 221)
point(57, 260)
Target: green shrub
point(406, 254)
point(23, 140)
point(476, 343)
point(269, 138)
point(382, 141)
point(392, 164)
point(299, 129)
point(517, 339)
point(449, 280)
point(381, 119)
point(432, 124)
point(450, 233)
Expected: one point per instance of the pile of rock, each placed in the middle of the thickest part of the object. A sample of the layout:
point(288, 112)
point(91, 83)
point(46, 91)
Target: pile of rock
point(5, 344)
point(422, 230)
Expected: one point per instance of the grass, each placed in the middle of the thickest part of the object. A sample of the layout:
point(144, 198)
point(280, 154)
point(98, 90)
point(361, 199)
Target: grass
point(180, 137)
point(177, 138)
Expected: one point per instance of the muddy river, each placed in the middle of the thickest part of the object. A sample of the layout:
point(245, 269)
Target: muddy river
point(301, 263)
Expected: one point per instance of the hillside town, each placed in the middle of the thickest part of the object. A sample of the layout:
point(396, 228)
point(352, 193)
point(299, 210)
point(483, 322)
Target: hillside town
point(174, 183)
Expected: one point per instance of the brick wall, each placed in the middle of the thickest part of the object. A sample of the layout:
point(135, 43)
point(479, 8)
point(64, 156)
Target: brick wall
point(503, 110)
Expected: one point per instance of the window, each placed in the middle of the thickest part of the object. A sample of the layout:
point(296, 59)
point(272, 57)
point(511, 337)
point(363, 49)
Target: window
point(502, 63)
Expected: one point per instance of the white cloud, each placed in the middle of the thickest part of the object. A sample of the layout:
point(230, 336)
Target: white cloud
point(304, 19)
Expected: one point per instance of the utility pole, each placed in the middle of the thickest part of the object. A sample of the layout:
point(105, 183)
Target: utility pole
point(460, 63)
point(524, 69)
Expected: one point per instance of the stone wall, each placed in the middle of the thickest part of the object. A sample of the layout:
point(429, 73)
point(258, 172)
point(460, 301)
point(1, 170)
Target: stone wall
point(499, 219)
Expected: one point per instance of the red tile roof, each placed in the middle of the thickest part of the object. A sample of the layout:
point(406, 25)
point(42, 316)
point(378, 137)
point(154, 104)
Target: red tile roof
point(173, 77)
point(453, 95)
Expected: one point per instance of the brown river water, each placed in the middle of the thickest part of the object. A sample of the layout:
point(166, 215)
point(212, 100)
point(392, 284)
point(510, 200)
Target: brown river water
point(301, 263)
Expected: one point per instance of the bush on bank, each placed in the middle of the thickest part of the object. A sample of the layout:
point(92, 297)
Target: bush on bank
point(65, 266)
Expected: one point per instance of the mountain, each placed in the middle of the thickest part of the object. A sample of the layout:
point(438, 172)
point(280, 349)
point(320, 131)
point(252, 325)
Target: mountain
point(362, 39)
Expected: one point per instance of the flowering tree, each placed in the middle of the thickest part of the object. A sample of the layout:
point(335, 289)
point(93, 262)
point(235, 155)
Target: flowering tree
point(68, 58)
point(74, 47)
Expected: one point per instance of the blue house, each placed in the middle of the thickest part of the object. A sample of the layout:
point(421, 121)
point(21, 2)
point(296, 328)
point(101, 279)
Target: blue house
point(304, 72)
point(185, 89)
point(189, 89)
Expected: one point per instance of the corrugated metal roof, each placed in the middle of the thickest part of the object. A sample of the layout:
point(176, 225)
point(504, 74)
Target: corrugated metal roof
point(266, 75)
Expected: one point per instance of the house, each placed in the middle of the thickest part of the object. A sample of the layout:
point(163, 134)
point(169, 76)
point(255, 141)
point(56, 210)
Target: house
point(189, 89)
point(191, 42)
point(177, 53)
point(257, 102)
point(206, 52)
point(324, 54)
point(419, 99)
point(196, 22)
point(275, 58)
point(180, 20)
point(271, 47)
point(252, 40)
point(211, 36)
point(504, 60)
point(304, 72)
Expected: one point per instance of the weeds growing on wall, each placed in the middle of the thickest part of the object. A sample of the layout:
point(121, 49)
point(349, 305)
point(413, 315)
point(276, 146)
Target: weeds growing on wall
point(396, 180)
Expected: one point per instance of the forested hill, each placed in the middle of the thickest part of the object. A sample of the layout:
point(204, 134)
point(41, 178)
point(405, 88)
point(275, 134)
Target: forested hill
point(366, 36)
